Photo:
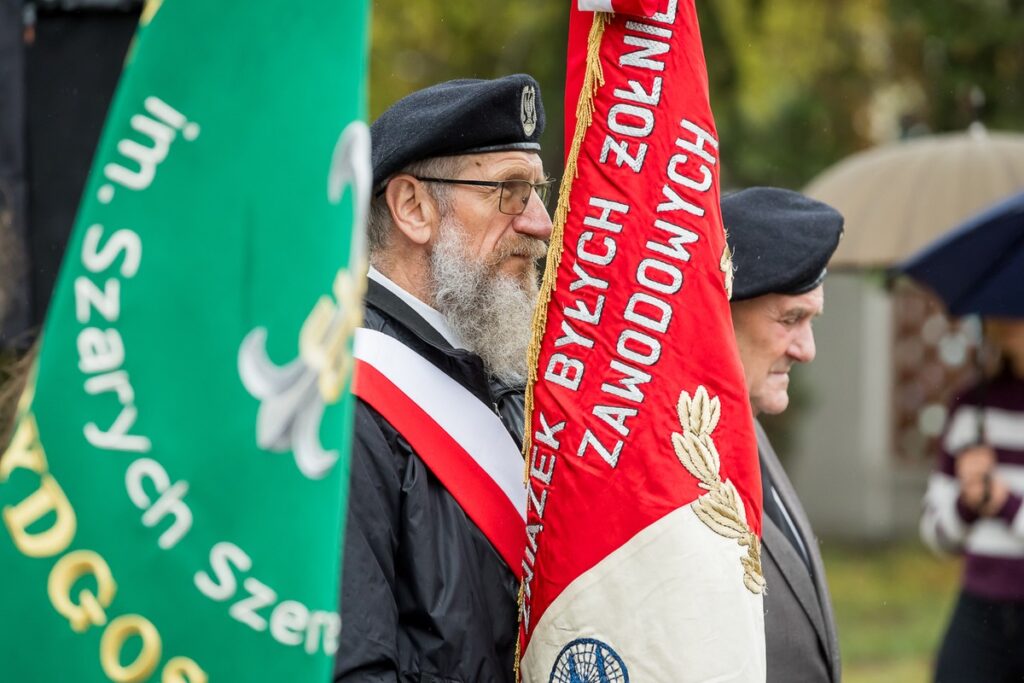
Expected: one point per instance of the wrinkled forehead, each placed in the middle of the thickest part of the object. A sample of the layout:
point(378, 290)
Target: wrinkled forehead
point(503, 165)
point(810, 303)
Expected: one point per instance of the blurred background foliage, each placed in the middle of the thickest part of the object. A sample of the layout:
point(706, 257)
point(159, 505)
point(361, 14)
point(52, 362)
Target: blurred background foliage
point(795, 86)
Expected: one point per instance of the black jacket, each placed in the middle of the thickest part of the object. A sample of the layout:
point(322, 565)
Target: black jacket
point(425, 596)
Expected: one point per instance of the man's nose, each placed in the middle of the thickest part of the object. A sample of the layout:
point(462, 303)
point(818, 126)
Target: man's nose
point(803, 350)
point(534, 221)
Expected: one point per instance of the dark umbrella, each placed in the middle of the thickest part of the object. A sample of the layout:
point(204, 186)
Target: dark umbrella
point(977, 268)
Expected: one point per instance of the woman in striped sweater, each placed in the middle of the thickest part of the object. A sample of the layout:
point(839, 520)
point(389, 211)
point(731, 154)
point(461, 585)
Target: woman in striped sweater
point(973, 506)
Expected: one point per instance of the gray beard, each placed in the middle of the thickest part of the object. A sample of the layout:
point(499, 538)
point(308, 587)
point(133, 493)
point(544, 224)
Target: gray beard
point(491, 312)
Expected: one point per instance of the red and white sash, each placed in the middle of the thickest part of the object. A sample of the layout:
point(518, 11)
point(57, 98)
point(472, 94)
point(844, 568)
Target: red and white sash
point(459, 438)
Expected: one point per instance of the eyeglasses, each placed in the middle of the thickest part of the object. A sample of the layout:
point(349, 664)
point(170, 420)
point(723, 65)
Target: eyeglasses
point(515, 194)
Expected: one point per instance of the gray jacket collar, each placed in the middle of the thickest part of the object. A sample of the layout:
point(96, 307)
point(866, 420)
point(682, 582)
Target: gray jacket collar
point(811, 591)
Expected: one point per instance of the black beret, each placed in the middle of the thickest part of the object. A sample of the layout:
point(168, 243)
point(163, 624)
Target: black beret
point(464, 116)
point(781, 241)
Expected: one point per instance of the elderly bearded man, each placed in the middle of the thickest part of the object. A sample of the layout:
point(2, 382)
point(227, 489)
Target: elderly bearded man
point(435, 529)
point(781, 242)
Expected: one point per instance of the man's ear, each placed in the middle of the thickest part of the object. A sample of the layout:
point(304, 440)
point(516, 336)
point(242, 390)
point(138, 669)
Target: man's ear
point(413, 210)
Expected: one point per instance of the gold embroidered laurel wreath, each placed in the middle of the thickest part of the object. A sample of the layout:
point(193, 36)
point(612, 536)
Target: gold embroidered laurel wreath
point(720, 508)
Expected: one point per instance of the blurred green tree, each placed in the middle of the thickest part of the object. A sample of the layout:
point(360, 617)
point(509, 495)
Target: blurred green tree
point(967, 57)
point(790, 82)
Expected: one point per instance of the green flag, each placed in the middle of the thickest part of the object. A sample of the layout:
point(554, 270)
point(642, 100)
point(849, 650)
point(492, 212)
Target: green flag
point(172, 498)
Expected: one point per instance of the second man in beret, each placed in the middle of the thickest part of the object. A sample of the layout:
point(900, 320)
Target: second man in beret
point(434, 532)
point(781, 242)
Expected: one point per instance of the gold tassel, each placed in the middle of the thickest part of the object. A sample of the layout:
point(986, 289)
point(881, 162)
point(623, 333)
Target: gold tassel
point(515, 665)
point(593, 79)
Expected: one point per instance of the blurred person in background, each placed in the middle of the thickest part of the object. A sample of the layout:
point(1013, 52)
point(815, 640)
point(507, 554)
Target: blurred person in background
point(973, 507)
point(781, 242)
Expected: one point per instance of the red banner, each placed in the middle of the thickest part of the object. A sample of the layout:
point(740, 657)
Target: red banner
point(642, 441)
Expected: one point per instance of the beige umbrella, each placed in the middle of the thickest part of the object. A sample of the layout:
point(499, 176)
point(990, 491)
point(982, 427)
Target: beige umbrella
point(898, 197)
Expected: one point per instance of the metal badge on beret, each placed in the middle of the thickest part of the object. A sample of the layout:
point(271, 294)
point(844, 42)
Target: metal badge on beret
point(529, 110)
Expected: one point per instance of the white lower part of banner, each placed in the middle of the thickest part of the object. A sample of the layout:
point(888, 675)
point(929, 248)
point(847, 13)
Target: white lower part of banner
point(669, 606)
point(595, 5)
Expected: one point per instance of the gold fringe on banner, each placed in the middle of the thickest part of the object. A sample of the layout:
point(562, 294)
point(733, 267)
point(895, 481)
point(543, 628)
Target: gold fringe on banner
point(593, 79)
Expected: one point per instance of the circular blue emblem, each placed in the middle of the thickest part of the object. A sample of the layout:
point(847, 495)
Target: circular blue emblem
point(586, 660)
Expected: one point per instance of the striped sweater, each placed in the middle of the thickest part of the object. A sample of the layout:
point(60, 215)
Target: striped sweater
point(993, 547)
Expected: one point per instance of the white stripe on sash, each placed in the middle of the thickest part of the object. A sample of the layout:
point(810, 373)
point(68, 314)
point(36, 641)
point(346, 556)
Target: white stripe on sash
point(466, 419)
